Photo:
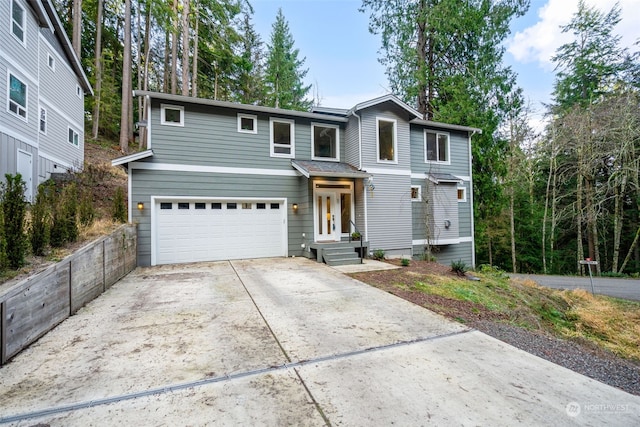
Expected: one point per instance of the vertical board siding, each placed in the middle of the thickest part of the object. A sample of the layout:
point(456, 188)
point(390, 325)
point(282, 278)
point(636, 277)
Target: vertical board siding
point(390, 212)
point(35, 305)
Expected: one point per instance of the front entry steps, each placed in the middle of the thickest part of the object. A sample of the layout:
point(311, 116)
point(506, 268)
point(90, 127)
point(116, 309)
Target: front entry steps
point(339, 253)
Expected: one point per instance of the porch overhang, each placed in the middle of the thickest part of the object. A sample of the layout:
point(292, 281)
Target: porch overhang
point(125, 160)
point(443, 178)
point(313, 168)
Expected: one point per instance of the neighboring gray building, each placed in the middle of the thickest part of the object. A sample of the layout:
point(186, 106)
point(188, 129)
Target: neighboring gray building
point(227, 181)
point(42, 89)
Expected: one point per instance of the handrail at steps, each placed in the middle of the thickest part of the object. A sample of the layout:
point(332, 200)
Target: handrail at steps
point(361, 237)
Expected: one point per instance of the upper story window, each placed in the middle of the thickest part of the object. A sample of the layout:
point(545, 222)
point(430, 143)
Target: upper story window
point(325, 142)
point(387, 144)
point(171, 115)
point(247, 123)
point(43, 120)
point(436, 147)
point(51, 62)
point(282, 138)
point(17, 21)
point(17, 96)
point(416, 193)
point(74, 138)
point(462, 194)
point(78, 91)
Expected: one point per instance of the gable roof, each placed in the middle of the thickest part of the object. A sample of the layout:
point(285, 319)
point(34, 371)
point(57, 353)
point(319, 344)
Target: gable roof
point(386, 98)
point(47, 17)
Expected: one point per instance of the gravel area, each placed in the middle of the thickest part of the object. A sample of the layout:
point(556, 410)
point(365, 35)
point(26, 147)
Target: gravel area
point(582, 358)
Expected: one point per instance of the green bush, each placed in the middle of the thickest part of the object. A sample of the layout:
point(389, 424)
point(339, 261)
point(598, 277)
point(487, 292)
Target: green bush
point(405, 262)
point(14, 208)
point(3, 243)
point(64, 228)
point(459, 267)
point(378, 254)
point(86, 211)
point(39, 232)
point(119, 209)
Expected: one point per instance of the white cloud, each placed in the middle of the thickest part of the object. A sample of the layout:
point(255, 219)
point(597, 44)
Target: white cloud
point(539, 42)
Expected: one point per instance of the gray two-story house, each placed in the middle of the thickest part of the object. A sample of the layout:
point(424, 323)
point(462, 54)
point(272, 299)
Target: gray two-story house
point(42, 90)
point(222, 181)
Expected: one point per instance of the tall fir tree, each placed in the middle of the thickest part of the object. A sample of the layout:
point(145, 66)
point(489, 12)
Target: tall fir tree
point(250, 79)
point(284, 74)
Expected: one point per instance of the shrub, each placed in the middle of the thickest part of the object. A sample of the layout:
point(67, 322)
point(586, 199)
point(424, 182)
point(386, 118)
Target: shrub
point(378, 254)
point(86, 211)
point(39, 232)
point(64, 227)
point(492, 270)
point(3, 242)
point(405, 262)
point(119, 209)
point(459, 267)
point(14, 208)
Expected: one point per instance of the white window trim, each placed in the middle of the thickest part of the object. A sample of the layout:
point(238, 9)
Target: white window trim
point(9, 101)
point(163, 107)
point(46, 121)
point(419, 198)
point(464, 194)
point(272, 145)
point(395, 140)
point(23, 24)
point(69, 128)
point(248, 116)
point(313, 142)
point(448, 161)
point(51, 62)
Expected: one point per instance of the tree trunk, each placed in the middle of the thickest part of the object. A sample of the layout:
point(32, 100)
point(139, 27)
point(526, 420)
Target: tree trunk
point(98, 64)
point(194, 72)
point(174, 50)
point(166, 76)
point(185, 47)
point(421, 48)
point(145, 79)
point(77, 28)
point(126, 80)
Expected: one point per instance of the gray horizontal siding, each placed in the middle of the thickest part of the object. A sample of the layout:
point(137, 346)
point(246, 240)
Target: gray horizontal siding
point(191, 184)
point(210, 137)
point(390, 212)
point(458, 152)
point(447, 254)
point(369, 137)
point(56, 141)
point(352, 149)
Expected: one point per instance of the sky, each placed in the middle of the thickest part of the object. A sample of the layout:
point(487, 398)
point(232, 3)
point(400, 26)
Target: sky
point(342, 55)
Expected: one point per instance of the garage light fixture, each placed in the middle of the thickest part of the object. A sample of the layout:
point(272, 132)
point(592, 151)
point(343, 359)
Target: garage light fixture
point(140, 206)
point(295, 207)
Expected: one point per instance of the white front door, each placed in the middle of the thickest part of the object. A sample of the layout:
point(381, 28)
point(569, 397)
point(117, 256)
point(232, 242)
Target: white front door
point(328, 216)
point(25, 169)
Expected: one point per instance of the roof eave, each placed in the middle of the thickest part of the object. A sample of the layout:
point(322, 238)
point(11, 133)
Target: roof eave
point(124, 160)
point(445, 125)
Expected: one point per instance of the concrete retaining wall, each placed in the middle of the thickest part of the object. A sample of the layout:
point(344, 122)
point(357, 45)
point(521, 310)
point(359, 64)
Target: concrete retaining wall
point(34, 306)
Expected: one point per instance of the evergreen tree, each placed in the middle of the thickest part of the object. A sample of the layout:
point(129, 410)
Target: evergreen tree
point(284, 74)
point(251, 89)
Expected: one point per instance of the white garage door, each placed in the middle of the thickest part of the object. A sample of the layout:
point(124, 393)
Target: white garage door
point(206, 230)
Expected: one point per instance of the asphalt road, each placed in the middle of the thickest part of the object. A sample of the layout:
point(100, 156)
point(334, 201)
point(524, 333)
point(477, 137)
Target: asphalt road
point(614, 287)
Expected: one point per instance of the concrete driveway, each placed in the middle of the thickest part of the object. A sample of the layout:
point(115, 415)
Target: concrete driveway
point(284, 342)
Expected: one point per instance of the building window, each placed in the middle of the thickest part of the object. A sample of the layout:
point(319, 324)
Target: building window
point(171, 115)
point(166, 205)
point(78, 91)
point(416, 193)
point(325, 143)
point(200, 205)
point(462, 194)
point(282, 138)
point(183, 205)
point(216, 205)
point(74, 138)
point(387, 146)
point(51, 62)
point(436, 147)
point(275, 205)
point(247, 123)
point(261, 205)
point(43, 120)
point(17, 21)
point(232, 206)
point(17, 96)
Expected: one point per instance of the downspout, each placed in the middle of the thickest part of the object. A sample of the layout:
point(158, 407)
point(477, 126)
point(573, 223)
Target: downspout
point(473, 230)
point(148, 99)
point(364, 186)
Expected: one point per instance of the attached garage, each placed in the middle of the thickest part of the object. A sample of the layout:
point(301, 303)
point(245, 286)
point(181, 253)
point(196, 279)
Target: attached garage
point(191, 230)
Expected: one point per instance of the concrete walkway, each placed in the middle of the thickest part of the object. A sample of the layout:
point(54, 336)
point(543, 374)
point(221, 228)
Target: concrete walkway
point(284, 342)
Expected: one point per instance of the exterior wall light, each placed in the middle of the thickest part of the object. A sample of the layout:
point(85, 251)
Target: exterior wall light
point(140, 206)
point(295, 207)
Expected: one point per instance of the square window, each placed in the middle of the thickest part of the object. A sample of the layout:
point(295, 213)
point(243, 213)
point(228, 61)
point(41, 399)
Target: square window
point(416, 191)
point(216, 205)
point(325, 142)
point(166, 205)
point(232, 206)
point(247, 123)
point(462, 194)
point(43, 120)
point(51, 62)
point(261, 205)
point(183, 205)
point(17, 96)
point(275, 205)
point(387, 141)
point(201, 206)
point(282, 138)
point(73, 137)
point(171, 115)
point(17, 21)
point(436, 147)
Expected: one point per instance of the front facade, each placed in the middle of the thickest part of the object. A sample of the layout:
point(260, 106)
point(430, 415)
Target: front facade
point(42, 89)
point(229, 181)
